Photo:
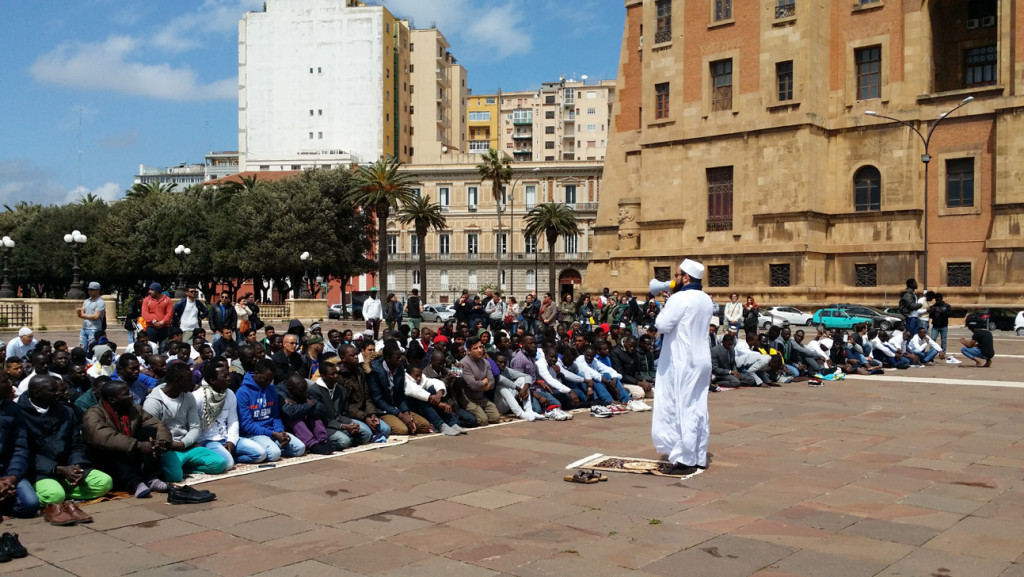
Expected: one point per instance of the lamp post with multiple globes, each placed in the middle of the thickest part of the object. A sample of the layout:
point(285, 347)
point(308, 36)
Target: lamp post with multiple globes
point(181, 251)
point(75, 240)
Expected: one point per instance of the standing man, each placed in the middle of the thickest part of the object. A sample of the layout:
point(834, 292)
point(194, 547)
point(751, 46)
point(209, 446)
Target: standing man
point(189, 314)
point(734, 313)
point(413, 311)
point(223, 314)
point(92, 312)
point(548, 313)
point(157, 311)
point(909, 307)
point(681, 427)
point(373, 312)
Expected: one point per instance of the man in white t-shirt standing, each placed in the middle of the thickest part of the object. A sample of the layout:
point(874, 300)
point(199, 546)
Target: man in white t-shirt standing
point(92, 312)
point(373, 312)
point(189, 314)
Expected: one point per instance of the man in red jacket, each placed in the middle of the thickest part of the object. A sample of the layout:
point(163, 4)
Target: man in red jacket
point(157, 311)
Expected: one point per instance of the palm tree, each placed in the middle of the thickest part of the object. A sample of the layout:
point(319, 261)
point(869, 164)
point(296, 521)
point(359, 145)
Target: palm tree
point(143, 190)
point(426, 216)
point(554, 220)
point(381, 187)
point(89, 198)
point(496, 168)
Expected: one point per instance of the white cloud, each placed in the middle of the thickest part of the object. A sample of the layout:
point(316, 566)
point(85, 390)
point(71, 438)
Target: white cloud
point(22, 180)
point(213, 17)
point(106, 66)
point(487, 28)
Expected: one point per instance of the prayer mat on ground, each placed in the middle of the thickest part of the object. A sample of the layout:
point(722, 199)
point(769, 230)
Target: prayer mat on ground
point(623, 465)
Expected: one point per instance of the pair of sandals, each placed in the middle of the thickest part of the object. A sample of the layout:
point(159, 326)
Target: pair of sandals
point(586, 476)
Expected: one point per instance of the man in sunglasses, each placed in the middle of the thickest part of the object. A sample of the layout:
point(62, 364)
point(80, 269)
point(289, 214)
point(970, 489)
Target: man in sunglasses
point(189, 314)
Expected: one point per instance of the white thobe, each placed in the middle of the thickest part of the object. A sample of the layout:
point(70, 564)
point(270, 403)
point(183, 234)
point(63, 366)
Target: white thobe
point(681, 427)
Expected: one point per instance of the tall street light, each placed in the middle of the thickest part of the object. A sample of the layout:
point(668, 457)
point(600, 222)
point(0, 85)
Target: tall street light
point(511, 231)
point(181, 251)
point(6, 292)
point(925, 158)
point(75, 240)
point(304, 291)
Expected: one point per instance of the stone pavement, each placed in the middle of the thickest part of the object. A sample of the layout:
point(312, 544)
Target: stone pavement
point(857, 478)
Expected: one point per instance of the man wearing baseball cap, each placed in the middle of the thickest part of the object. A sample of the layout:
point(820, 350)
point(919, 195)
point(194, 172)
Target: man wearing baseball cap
point(680, 427)
point(373, 312)
point(91, 312)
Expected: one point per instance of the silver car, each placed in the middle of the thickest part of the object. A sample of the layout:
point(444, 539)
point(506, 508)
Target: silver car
point(437, 313)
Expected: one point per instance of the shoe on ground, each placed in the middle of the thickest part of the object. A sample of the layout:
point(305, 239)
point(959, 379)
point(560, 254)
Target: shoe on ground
point(142, 491)
point(324, 448)
point(449, 430)
point(55, 514)
point(72, 508)
point(562, 415)
point(551, 414)
point(786, 379)
point(459, 428)
point(11, 547)
point(638, 406)
point(599, 412)
point(951, 360)
point(678, 470)
point(187, 495)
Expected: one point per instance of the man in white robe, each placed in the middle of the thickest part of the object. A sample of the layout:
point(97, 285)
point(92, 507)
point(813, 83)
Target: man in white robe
point(681, 427)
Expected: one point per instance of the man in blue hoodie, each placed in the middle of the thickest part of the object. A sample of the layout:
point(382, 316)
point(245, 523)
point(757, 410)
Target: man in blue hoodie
point(259, 416)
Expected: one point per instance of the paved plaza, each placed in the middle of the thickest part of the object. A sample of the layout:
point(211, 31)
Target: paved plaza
point(917, 473)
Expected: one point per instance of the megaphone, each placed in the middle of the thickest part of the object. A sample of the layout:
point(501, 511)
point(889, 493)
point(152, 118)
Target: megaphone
point(659, 286)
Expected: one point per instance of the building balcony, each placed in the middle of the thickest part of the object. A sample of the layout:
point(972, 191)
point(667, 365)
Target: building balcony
point(582, 206)
point(478, 259)
point(569, 101)
point(522, 121)
point(522, 136)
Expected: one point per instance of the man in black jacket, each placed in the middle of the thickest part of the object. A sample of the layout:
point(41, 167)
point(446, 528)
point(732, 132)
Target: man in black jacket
point(288, 360)
point(223, 314)
point(17, 495)
point(328, 390)
point(624, 359)
point(189, 314)
point(724, 372)
point(60, 466)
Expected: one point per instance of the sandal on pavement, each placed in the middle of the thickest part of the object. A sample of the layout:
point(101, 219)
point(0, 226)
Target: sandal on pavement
point(581, 477)
point(595, 475)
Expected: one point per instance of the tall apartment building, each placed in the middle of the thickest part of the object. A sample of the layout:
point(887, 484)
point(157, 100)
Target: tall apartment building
point(324, 83)
point(564, 120)
point(437, 85)
point(743, 139)
point(465, 254)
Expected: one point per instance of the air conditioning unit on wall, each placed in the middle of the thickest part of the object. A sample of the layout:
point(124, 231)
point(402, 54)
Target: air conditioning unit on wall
point(988, 21)
point(972, 23)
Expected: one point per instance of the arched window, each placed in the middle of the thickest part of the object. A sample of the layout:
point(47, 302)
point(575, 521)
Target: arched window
point(867, 189)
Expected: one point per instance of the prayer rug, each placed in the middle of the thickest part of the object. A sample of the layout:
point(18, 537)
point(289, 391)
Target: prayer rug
point(602, 462)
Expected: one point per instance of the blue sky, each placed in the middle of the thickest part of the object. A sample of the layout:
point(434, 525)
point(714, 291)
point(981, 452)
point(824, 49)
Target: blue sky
point(155, 83)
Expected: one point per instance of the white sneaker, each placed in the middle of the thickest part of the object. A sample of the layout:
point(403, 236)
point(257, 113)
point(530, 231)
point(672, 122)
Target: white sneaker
point(530, 416)
point(562, 415)
point(950, 360)
point(460, 429)
point(551, 415)
point(785, 379)
point(638, 405)
point(599, 412)
point(449, 430)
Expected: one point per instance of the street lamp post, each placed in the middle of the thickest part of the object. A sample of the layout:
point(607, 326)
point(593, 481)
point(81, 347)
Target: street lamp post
point(304, 291)
point(925, 158)
point(181, 251)
point(6, 292)
point(511, 232)
point(75, 240)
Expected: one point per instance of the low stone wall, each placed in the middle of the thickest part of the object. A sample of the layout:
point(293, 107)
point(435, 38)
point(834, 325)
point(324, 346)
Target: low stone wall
point(50, 314)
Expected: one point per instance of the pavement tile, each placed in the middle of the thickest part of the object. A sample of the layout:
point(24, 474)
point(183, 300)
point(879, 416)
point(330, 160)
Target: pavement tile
point(907, 534)
point(128, 559)
point(384, 525)
point(813, 564)
point(150, 531)
point(74, 547)
point(375, 557)
point(1014, 570)
point(224, 516)
point(440, 566)
point(245, 560)
point(269, 528)
point(929, 562)
point(195, 545)
point(780, 533)
point(41, 571)
point(319, 541)
point(817, 517)
point(942, 503)
point(628, 554)
point(862, 548)
point(489, 499)
point(173, 570)
point(29, 563)
point(434, 541)
point(306, 568)
point(710, 518)
point(723, 556)
point(286, 502)
point(123, 518)
point(601, 522)
point(571, 564)
point(501, 554)
point(988, 538)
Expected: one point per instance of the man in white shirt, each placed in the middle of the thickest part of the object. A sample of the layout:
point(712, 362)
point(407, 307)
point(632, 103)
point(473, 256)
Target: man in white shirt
point(924, 346)
point(22, 345)
point(189, 314)
point(373, 312)
point(750, 361)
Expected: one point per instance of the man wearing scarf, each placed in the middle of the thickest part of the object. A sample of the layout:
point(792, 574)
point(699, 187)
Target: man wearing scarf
point(680, 428)
point(218, 417)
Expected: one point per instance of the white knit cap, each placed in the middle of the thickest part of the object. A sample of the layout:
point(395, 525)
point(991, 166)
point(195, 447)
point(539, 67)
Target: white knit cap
point(692, 268)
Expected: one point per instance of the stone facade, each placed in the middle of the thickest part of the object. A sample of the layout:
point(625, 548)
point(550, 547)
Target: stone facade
point(463, 256)
point(741, 139)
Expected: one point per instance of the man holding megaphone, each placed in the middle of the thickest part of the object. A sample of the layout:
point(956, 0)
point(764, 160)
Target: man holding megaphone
point(680, 428)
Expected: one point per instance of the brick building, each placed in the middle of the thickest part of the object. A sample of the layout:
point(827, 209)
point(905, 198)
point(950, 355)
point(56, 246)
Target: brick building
point(741, 138)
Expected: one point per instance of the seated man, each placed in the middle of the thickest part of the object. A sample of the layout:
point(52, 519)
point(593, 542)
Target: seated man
point(476, 373)
point(303, 416)
point(386, 382)
point(623, 360)
point(886, 353)
point(556, 366)
point(724, 372)
point(636, 392)
point(103, 365)
point(259, 416)
point(126, 440)
point(17, 495)
point(425, 398)
point(40, 366)
point(517, 393)
point(218, 418)
point(360, 408)
point(128, 371)
point(456, 393)
point(14, 370)
point(750, 360)
point(61, 469)
point(979, 348)
point(175, 406)
point(342, 431)
point(645, 359)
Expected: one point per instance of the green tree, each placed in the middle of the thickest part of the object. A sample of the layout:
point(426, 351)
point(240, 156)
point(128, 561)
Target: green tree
point(496, 167)
point(382, 188)
point(425, 216)
point(552, 220)
point(142, 190)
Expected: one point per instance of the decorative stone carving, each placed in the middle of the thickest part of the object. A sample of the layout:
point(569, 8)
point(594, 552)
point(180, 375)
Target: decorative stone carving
point(629, 228)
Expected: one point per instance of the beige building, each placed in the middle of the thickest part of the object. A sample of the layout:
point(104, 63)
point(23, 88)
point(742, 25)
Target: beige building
point(437, 88)
point(464, 255)
point(742, 139)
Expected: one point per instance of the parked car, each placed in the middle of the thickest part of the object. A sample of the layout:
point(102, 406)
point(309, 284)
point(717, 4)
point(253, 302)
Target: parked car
point(993, 318)
point(334, 311)
point(1018, 324)
point(794, 315)
point(437, 313)
point(765, 320)
point(878, 319)
point(837, 318)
